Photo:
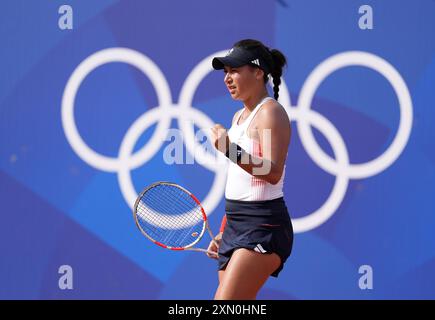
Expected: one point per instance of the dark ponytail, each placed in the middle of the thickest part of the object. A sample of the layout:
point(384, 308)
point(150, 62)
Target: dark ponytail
point(274, 59)
point(279, 61)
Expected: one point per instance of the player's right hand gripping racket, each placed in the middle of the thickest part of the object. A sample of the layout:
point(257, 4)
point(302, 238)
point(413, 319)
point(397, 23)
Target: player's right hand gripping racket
point(171, 217)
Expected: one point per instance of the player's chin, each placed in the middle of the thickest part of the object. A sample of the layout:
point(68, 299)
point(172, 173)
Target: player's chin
point(235, 95)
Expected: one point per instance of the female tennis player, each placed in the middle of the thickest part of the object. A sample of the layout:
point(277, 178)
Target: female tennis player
point(256, 235)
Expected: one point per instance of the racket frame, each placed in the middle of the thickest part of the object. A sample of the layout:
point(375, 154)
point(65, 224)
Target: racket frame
point(204, 216)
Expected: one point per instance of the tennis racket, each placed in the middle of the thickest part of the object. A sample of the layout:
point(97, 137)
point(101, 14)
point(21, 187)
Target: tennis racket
point(171, 217)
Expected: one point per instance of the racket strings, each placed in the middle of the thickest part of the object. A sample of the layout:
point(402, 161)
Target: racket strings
point(171, 201)
point(172, 235)
point(170, 216)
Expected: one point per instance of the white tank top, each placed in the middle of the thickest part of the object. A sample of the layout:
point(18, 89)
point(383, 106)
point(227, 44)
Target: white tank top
point(240, 184)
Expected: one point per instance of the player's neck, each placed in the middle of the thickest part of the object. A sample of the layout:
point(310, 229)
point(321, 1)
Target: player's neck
point(255, 99)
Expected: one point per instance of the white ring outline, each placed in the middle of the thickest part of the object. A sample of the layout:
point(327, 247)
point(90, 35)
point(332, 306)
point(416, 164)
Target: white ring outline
point(130, 57)
point(312, 83)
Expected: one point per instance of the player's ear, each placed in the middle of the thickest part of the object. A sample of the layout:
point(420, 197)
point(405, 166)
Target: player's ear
point(259, 74)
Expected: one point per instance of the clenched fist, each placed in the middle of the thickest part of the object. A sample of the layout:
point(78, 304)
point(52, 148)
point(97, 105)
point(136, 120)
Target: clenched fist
point(219, 137)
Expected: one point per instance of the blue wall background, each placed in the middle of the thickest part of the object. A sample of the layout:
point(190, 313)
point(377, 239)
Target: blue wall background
point(57, 209)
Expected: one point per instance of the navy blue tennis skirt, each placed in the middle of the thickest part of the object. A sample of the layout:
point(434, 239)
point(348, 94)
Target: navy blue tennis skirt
point(262, 226)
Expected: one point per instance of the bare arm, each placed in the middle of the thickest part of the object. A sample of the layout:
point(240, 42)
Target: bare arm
point(273, 126)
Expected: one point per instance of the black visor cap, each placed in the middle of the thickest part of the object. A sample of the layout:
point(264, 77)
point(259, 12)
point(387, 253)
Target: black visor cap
point(238, 57)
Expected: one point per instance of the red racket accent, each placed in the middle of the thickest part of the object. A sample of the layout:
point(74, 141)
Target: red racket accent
point(199, 204)
point(223, 223)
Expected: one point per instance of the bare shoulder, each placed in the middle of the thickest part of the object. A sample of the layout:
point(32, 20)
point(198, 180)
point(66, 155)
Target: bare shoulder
point(273, 113)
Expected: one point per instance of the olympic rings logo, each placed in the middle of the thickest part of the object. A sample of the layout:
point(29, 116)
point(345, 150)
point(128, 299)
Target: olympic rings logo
point(184, 112)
